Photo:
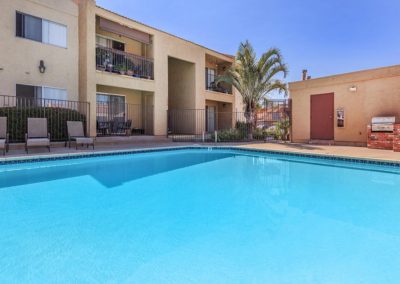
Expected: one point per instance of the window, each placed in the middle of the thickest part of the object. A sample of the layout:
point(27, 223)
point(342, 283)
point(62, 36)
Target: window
point(54, 94)
point(41, 30)
point(29, 27)
point(110, 43)
point(118, 45)
point(276, 116)
point(210, 78)
point(40, 93)
point(102, 41)
point(54, 33)
point(110, 107)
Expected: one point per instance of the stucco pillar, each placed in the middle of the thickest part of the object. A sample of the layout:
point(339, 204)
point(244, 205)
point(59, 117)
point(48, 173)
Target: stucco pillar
point(161, 89)
point(87, 52)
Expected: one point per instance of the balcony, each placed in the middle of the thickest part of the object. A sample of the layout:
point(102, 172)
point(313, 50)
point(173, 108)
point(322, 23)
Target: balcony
point(216, 67)
point(123, 63)
point(221, 87)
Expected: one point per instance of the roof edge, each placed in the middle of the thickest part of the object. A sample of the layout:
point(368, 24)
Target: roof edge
point(366, 74)
point(162, 31)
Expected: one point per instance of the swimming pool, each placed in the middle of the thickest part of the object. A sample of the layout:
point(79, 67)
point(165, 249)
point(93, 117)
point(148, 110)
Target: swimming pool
point(199, 216)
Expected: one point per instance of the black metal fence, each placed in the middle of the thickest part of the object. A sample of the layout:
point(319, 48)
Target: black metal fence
point(199, 125)
point(58, 112)
point(123, 119)
point(116, 61)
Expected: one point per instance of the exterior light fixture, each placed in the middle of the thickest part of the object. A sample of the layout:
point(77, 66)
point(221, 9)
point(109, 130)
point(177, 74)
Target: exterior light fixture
point(353, 89)
point(42, 68)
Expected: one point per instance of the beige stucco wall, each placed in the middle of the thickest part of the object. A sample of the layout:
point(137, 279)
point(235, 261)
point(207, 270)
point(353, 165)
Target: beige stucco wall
point(19, 57)
point(181, 84)
point(73, 68)
point(164, 46)
point(378, 94)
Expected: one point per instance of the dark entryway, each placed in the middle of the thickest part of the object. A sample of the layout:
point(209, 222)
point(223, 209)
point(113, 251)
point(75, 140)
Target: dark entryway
point(322, 110)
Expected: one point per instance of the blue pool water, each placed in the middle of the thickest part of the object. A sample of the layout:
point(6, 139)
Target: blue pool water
point(198, 216)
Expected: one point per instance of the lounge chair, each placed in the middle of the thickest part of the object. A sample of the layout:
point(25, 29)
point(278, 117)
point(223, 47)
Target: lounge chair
point(37, 135)
point(3, 135)
point(76, 133)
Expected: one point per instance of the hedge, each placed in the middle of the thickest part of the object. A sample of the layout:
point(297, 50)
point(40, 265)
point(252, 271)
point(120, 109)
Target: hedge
point(56, 119)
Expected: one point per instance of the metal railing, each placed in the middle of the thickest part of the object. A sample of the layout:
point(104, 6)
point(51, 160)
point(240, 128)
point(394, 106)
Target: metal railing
point(123, 119)
point(220, 87)
point(202, 125)
point(124, 63)
point(58, 112)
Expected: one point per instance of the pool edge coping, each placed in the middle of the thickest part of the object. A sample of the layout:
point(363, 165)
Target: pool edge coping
point(65, 156)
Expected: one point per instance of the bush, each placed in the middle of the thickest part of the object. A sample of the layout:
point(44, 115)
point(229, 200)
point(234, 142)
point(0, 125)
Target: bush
point(262, 134)
point(57, 118)
point(229, 135)
point(282, 129)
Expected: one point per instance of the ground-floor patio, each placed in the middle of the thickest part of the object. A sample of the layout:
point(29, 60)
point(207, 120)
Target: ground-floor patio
point(142, 142)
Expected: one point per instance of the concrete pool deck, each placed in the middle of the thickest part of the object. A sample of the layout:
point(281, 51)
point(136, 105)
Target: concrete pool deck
point(17, 152)
point(340, 151)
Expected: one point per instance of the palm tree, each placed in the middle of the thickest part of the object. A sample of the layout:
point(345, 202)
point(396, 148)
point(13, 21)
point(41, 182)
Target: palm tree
point(255, 78)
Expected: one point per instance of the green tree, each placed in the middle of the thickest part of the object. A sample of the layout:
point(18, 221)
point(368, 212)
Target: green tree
point(255, 78)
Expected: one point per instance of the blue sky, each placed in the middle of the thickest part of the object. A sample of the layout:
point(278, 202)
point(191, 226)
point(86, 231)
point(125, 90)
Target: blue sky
point(324, 36)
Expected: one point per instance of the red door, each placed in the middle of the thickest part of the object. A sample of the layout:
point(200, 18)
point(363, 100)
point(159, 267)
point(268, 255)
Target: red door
point(322, 110)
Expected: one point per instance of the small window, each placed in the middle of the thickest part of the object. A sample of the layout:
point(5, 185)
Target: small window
point(118, 45)
point(39, 92)
point(41, 30)
point(102, 41)
point(29, 27)
point(276, 116)
point(54, 33)
point(210, 77)
point(54, 94)
point(27, 91)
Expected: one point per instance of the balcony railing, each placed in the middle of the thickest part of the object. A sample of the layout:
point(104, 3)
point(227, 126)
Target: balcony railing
point(124, 63)
point(211, 85)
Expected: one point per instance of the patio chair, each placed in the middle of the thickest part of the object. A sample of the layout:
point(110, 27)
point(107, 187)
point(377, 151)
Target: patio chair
point(37, 135)
point(76, 133)
point(125, 127)
point(103, 127)
point(3, 135)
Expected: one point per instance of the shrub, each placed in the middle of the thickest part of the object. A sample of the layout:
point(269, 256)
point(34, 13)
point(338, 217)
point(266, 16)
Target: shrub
point(57, 118)
point(229, 135)
point(282, 129)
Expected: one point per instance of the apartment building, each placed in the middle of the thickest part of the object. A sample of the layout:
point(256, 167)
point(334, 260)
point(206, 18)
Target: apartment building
point(125, 70)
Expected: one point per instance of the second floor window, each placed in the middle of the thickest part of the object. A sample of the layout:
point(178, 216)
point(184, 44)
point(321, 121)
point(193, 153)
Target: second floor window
point(210, 78)
point(41, 30)
point(109, 43)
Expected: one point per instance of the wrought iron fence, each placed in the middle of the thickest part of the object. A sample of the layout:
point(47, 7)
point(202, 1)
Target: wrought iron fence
point(199, 125)
point(116, 61)
point(58, 112)
point(123, 119)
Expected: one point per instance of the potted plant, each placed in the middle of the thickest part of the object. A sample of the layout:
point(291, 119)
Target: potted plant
point(120, 68)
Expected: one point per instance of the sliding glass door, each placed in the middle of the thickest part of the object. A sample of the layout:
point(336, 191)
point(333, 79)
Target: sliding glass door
point(110, 108)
